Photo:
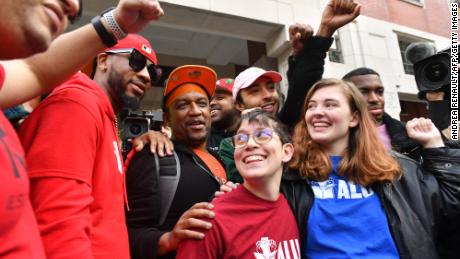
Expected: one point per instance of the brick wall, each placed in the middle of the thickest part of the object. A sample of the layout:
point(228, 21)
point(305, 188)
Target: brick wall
point(432, 16)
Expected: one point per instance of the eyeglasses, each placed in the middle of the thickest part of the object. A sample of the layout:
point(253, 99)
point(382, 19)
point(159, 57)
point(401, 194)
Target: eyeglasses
point(261, 137)
point(74, 18)
point(137, 62)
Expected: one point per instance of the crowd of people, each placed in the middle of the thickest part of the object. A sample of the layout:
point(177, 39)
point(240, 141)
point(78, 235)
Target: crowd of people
point(327, 174)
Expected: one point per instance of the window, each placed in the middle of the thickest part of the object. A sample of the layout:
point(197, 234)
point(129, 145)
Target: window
point(404, 41)
point(415, 2)
point(335, 53)
point(403, 44)
point(410, 110)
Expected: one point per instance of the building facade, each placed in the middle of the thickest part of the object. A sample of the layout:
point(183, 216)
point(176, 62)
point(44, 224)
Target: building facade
point(232, 35)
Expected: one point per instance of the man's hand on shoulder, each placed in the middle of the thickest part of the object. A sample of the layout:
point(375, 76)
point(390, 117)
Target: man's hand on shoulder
point(188, 226)
point(159, 143)
point(227, 187)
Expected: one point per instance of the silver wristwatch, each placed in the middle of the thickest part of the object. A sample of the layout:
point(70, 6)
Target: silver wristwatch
point(114, 27)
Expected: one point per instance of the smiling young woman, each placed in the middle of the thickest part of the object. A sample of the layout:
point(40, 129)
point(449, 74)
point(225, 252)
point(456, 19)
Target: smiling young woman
point(350, 197)
point(337, 123)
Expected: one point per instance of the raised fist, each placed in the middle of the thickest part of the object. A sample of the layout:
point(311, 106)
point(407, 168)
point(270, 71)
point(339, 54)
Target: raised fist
point(424, 132)
point(298, 35)
point(134, 15)
point(336, 14)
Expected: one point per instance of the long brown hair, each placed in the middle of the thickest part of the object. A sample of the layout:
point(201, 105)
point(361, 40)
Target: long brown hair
point(365, 161)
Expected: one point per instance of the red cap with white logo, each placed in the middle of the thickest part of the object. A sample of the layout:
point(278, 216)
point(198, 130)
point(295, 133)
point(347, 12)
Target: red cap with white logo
point(139, 43)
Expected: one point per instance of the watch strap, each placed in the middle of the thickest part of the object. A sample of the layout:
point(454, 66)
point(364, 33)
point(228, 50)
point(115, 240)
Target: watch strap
point(114, 26)
point(108, 39)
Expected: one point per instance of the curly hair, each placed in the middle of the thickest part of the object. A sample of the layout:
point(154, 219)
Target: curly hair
point(365, 161)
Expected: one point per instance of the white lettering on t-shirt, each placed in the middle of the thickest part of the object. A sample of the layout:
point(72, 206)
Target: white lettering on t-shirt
point(345, 189)
point(267, 248)
point(354, 194)
point(343, 192)
point(294, 248)
point(280, 254)
point(286, 248)
point(325, 189)
point(366, 192)
point(117, 155)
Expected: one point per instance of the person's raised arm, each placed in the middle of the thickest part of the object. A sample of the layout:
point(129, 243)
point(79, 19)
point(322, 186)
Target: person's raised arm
point(27, 78)
point(306, 65)
point(337, 14)
point(298, 34)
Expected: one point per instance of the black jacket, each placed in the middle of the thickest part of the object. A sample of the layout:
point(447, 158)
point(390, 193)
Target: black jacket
point(416, 205)
point(305, 69)
point(216, 136)
point(439, 113)
point(196, 184)
point(400, 141)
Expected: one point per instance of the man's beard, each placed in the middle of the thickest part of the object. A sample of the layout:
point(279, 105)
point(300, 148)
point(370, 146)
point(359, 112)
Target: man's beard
point(115, 81)
point(130, 102)
point(227, 120)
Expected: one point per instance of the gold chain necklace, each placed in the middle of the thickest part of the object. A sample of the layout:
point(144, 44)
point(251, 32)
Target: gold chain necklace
point(117, 128)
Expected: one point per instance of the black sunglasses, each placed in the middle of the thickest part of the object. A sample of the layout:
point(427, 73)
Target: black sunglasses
point(74, 18)
point(137, 62)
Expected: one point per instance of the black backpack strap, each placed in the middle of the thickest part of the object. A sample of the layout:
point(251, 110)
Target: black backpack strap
point(168, 173)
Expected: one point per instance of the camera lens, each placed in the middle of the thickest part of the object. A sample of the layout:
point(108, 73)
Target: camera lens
point(436, 72)
point(135, 129)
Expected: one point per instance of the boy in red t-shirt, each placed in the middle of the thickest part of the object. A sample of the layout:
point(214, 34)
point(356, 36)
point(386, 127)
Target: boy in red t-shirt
point(255, 220)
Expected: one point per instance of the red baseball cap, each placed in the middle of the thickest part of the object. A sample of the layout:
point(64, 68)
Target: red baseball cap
point(225, 84)
point(132, 41)
point(141, 44)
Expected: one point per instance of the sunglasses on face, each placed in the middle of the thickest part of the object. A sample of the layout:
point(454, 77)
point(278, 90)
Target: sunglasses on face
point(74, 18)
point(261, 137)
point(137, 62)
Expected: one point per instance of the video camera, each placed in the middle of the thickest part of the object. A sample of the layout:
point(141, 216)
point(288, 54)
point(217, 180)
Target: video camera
point(433, 74)
point(136, 123)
